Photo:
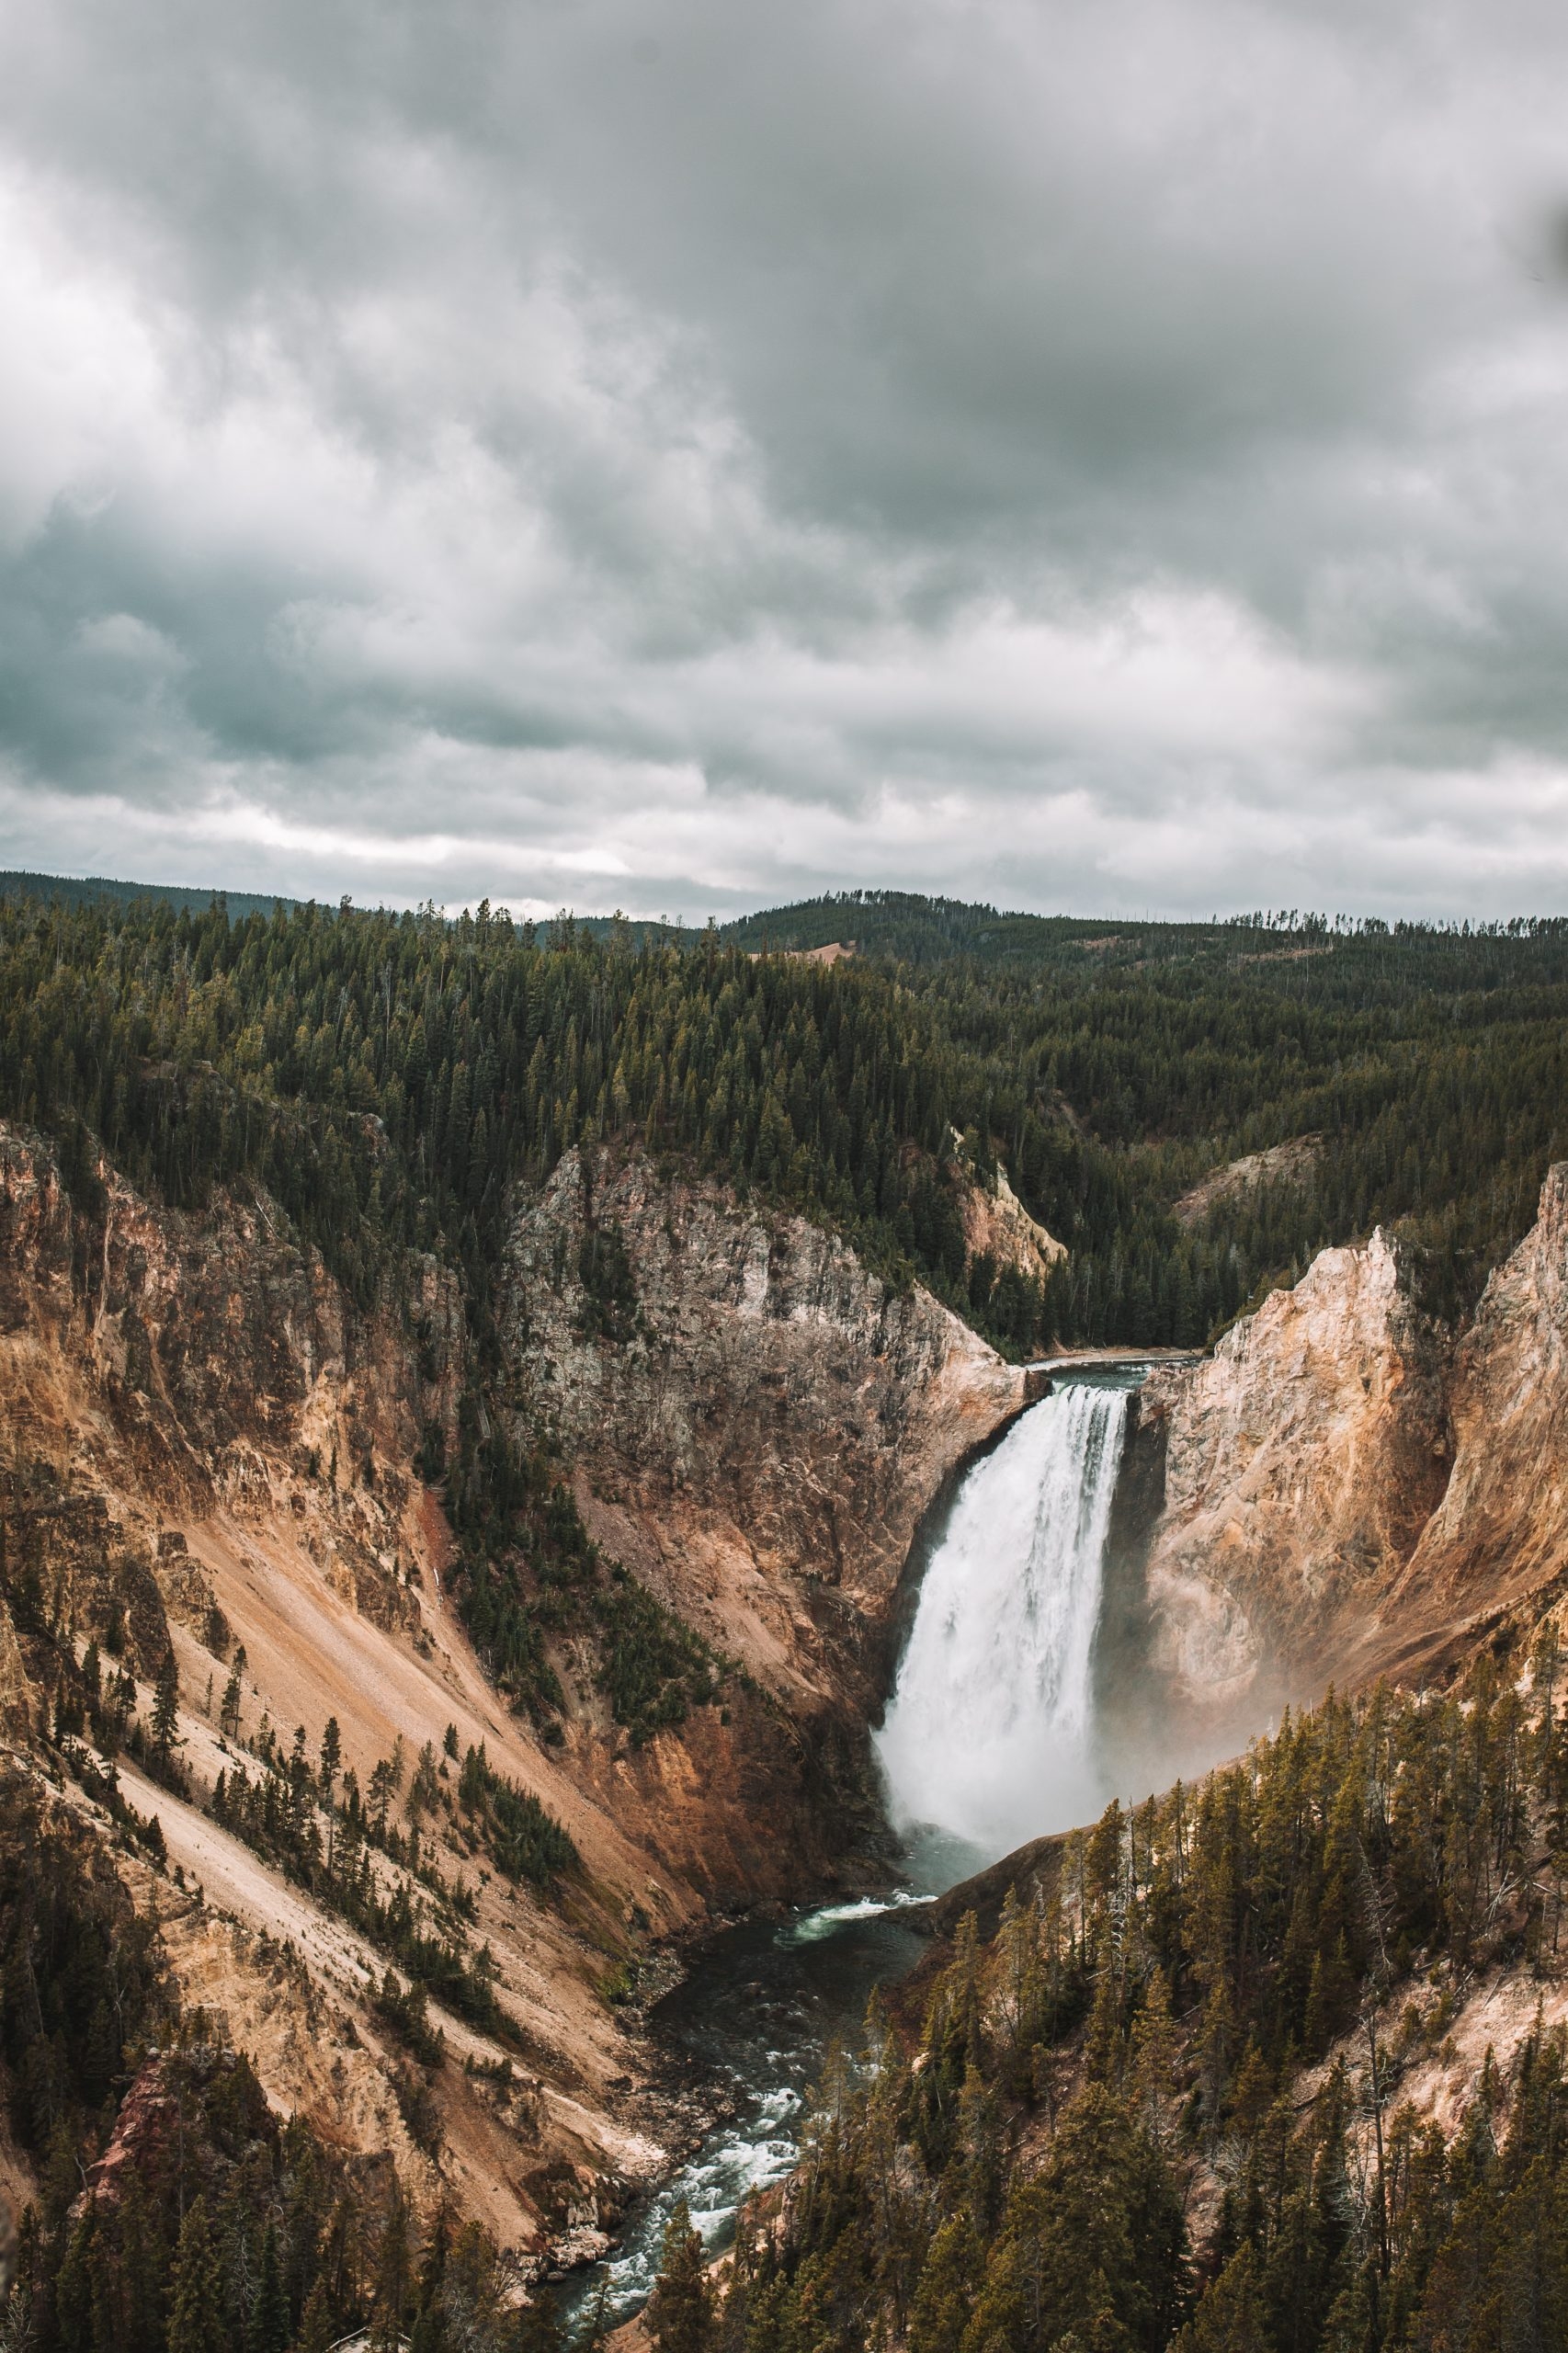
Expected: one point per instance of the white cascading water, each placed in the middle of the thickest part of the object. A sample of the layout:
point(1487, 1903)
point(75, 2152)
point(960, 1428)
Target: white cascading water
point(989, 1735)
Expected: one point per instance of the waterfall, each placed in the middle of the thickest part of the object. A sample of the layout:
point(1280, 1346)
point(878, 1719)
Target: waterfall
point(990, 1733)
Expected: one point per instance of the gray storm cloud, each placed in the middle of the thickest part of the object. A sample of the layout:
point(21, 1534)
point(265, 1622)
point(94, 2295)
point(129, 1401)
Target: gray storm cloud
point(1089, 456)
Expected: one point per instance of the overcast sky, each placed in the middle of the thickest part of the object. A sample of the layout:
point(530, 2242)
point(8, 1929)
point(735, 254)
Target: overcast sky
point(1099, 454)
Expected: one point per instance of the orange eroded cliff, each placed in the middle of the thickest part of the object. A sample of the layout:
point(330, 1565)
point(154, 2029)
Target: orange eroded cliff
point(1348, 1490)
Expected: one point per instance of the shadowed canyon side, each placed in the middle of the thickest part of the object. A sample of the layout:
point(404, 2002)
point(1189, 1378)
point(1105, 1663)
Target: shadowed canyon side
point(212, 1449)
point(1344, 1489)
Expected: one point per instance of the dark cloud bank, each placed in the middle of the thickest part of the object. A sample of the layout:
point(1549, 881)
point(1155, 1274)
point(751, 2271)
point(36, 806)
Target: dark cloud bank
point(1083, 455)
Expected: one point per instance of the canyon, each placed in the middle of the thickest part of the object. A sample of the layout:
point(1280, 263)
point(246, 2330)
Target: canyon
point(213, 1449)
point(212, 1445)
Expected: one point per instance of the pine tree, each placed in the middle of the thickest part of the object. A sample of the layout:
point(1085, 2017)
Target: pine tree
point(269, 2329)
point(976, 2165)
point(144, 2265)
point(945, 2292)
point(165, 1712)
point(1154, 2042)
point(102, 2055)
point(228, 1713)
point(316, 2326)
point(74, 2285)
point(1231, 2318)
point(331, 1756)
point(680, 2311)
point(393, 2277)
point(195, 2303)
point(386, 1777)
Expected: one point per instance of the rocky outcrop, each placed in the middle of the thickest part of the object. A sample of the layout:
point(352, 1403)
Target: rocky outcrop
point(998, 1226)
point(1346, 1490)
point(1301, 1462)
point(1292, 1163)
point(771, 1397)
point(153, 2118)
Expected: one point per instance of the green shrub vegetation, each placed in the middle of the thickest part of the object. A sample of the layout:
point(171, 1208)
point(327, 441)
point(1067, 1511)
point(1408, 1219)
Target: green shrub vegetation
point(533, 1574)
point(524, 1840)
point(410, 1914)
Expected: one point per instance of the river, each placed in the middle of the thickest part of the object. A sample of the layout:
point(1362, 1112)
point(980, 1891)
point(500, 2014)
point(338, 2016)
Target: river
point(753, 2021)
point(990, 1739)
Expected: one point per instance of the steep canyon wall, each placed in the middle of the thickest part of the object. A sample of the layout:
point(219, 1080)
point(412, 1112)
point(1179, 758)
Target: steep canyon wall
point(758, 1448)
point(1347, 1490)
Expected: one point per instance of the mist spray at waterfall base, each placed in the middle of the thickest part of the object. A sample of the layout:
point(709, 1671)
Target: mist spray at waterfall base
point(990, 1737)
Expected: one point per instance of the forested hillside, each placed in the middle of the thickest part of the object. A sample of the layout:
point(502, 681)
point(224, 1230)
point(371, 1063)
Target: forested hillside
point(388, 1076)
point(204, 2225)
point(1165, 2102)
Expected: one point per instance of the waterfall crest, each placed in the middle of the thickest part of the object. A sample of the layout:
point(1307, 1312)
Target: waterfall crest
point(990, 1735)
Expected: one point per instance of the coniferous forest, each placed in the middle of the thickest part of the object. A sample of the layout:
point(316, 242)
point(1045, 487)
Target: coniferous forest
point(228, 2231)
point(390, 1076)
point(1163, 2104)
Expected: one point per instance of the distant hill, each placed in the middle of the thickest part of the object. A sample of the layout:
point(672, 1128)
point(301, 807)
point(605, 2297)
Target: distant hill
point(76, 891)
point(900, 923)
point(915, 929)
point(72, 890)
point(910, 928)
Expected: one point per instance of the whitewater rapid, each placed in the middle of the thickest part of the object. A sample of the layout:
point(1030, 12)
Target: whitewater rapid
point(989, 1737)
point(753, 2019)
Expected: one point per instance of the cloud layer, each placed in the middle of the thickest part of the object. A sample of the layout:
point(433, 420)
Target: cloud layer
point(1101, 456)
